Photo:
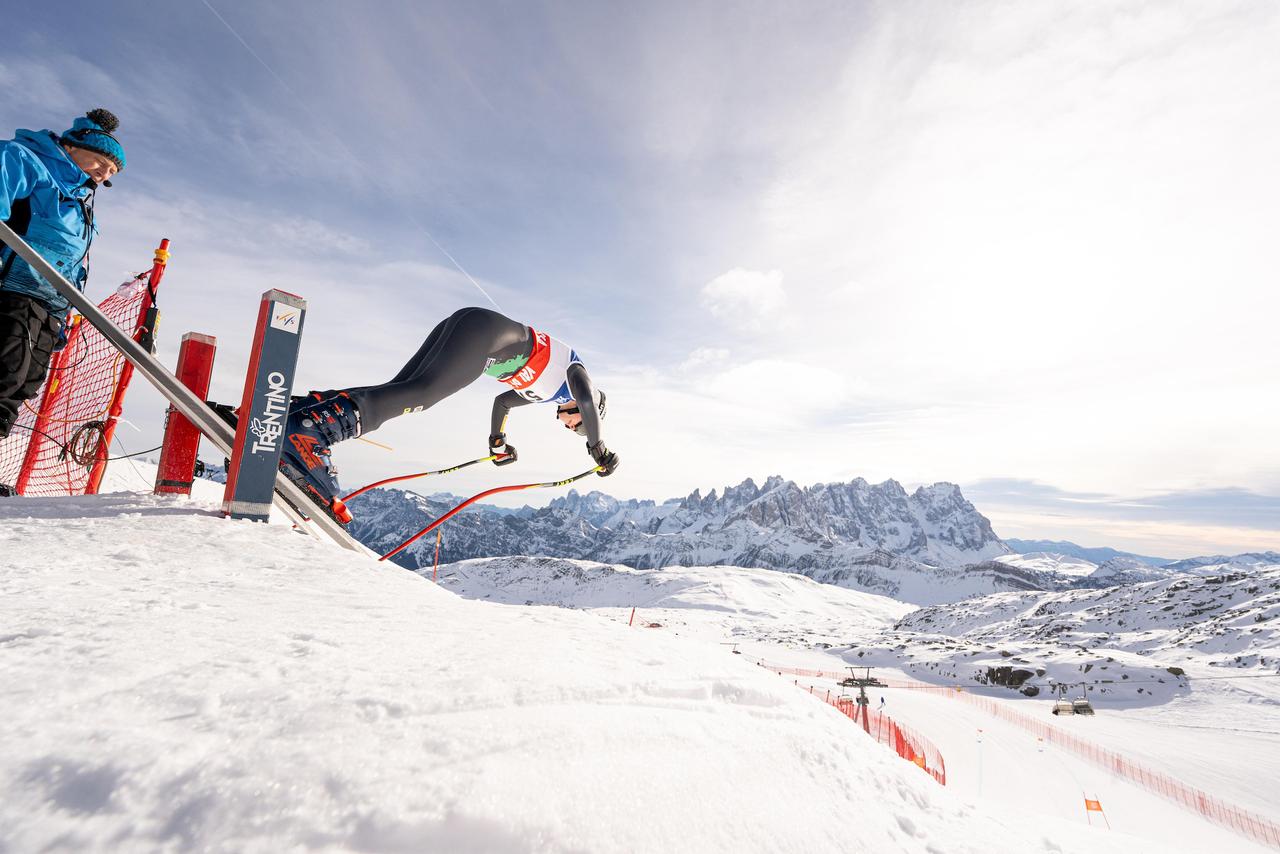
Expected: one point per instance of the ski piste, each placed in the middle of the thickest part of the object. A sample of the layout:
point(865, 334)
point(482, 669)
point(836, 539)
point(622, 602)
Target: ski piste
point(288, 496)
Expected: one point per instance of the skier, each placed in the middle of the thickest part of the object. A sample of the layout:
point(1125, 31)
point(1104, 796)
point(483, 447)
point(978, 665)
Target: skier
point(469, 343)
point(48, 184)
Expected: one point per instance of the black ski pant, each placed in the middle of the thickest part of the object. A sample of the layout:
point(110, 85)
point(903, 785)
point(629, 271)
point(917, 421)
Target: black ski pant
point(455, 353)
point(27, 335)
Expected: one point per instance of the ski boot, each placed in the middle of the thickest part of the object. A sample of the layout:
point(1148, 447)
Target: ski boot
point(315, 423)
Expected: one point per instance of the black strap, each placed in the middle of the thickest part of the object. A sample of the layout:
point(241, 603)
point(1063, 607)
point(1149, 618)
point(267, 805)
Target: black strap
point(19, 220)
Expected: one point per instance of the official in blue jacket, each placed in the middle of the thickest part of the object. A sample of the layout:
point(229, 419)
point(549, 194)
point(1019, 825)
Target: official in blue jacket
point(47, 187)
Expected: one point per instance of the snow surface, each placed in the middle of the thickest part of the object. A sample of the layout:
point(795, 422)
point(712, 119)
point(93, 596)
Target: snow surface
point(1219, 736)
point(173, 681)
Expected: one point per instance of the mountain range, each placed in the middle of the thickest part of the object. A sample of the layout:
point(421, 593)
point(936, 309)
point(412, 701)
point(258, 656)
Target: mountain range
point(928, 546)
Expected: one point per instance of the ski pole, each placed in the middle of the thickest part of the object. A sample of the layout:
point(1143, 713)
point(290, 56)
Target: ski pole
point(473, 499)
point(365, 489)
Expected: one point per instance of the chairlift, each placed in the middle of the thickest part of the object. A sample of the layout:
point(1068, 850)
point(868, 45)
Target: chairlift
point(1062, 705)
point(1081, 706)
point(865, 681)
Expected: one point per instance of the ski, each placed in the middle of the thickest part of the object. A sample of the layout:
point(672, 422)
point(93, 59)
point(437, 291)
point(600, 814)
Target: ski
point(288, 496)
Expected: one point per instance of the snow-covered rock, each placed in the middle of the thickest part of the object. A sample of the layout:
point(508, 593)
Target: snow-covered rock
point(1128, 642)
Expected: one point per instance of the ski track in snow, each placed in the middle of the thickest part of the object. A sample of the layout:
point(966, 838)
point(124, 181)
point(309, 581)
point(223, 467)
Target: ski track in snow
point(172, 681)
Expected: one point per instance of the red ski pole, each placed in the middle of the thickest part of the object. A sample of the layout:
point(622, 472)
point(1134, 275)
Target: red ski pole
point(473, 499)
point(362, 490)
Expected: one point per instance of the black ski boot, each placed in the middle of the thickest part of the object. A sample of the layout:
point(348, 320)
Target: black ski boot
point(315, 423)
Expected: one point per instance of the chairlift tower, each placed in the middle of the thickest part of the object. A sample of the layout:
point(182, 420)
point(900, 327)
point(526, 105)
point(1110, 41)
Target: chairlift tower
point(861, 683)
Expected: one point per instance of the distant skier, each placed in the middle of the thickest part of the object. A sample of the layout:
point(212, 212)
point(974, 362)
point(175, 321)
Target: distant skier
point(469, 343)
point(48, 184)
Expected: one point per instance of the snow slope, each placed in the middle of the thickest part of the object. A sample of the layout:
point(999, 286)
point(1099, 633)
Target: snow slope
point(172, 681)
point(1052, 563)
point(1219, 736)
point(749, 604)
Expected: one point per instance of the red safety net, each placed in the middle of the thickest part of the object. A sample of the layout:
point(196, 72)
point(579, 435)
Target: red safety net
point(59, 444)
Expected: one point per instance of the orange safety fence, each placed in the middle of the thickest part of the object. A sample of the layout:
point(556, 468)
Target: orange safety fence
point(1214, 809)
point(903, 740)
point(1246, 823)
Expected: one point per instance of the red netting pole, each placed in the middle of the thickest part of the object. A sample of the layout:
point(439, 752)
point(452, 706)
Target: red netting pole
point(126, 370)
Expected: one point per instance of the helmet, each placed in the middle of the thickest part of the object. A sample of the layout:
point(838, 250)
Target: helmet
point(597, 397)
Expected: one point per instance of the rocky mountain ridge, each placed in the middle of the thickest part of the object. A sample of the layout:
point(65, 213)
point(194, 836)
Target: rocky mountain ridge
point(875, 537)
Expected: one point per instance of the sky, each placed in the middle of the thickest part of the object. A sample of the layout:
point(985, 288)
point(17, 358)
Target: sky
point(1026, 248)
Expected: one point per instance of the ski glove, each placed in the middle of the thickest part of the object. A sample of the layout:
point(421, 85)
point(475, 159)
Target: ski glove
point(498, 445)
point(603, 457)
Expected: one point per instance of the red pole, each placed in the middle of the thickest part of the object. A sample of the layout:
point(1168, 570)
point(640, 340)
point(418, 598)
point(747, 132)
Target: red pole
point(436, 568)
point(472, 500)
point(126, 371)
point(182, 438)
point(633, 616)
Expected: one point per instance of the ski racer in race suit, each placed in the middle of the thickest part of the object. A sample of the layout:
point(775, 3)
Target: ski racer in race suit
point(469, 343)
point(47, 188)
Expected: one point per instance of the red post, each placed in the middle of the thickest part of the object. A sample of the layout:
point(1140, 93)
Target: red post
point(181, 438)
point(436, 568)
point(145, 330)
point(633, 616)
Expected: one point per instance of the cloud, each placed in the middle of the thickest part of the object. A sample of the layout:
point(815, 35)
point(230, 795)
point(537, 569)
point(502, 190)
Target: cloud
point(704, 358)
point(745, 299)
point(1218, 506)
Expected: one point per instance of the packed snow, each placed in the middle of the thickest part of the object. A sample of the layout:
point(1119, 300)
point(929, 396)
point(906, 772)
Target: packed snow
point(175, 681)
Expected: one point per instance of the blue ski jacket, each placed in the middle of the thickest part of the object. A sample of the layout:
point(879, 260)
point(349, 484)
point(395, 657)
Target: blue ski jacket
point(46, 198)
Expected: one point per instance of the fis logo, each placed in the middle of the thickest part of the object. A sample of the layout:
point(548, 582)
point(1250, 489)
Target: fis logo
point(409, 409)
point(266, 429)
point(285, 317)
